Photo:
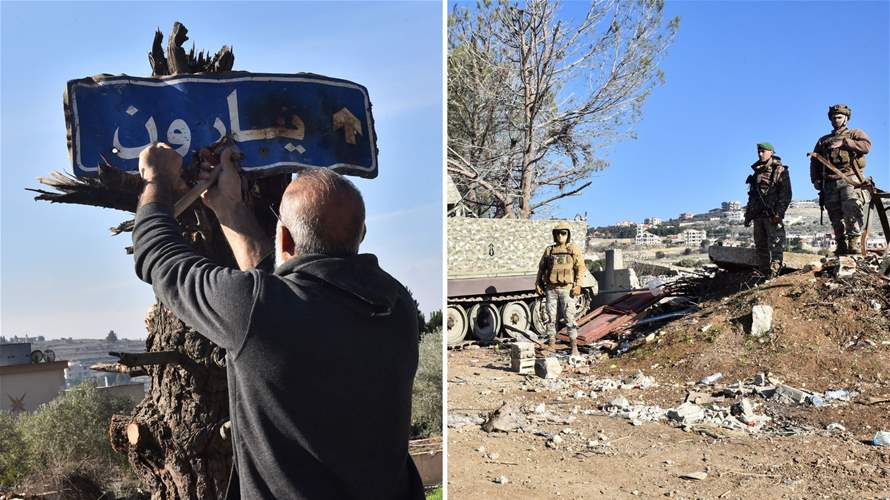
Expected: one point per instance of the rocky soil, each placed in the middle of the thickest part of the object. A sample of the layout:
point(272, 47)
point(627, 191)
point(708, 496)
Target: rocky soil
point(793, 413)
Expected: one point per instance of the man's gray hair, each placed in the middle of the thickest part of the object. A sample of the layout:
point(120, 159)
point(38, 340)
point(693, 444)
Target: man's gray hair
point(324, 213)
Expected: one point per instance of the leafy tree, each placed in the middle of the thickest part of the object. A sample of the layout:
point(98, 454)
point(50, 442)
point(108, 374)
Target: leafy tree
point(534, 99)
point(435, 322)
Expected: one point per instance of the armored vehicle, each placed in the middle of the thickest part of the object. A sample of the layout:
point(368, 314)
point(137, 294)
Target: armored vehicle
point(492, 266)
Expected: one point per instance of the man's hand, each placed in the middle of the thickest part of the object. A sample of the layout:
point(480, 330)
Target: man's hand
point(776, 220)
point(225, 195)
point(539, 290)
point(161, 168)
point(159, 163)
point(575, 291)
point(836, 144)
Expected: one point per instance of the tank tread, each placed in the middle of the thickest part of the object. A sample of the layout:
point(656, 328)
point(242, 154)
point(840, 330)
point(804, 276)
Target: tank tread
point(492, 298)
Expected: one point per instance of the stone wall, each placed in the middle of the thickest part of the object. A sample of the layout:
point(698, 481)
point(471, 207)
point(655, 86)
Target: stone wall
point(501, 247)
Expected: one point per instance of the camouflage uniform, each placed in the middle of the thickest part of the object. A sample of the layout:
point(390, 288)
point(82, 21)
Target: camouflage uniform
point(561, 276)
point(769, 194)
point(844, 203)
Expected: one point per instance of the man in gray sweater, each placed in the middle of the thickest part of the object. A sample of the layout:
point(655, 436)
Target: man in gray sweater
point(321, 353)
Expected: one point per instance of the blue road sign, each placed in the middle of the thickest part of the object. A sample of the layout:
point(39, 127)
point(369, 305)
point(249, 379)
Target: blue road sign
point(280, 122)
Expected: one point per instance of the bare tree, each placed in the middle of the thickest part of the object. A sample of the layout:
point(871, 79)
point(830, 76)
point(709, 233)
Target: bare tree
point(534, 98)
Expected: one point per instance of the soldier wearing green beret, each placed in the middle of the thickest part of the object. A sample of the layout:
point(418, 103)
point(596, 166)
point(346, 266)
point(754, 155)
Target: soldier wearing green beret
point(769, 194)
point(845, 148)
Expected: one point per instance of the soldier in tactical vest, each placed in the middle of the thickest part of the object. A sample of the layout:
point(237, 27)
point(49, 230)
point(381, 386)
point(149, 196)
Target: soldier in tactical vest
point(560, 277)
point(769, 194)
point(845, 148)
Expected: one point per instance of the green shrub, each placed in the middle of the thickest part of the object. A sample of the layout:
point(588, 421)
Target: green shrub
point(13, 454)
point(426, 405)
point(65, 436)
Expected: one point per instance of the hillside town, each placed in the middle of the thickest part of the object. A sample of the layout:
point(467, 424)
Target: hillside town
point(670, 240)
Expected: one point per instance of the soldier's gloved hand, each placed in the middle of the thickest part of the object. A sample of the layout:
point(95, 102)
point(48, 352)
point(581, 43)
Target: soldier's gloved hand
point(836, 144)
point(575, 291)
point(776, 220)
point(747, 222)
point(539, 290)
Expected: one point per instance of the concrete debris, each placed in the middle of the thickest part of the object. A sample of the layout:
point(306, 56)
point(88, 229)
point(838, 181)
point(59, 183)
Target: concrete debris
point(743, 408)
point(507, 418)
point(761, 320)
point(580, 394)
point(619, 402)
point(456, 420)
point(760, 379)
point(578, 361)
point(522, 358)
point(835, 427)
point(710, 379)
point(794, 395)
point(882, 438)
point(686, 413)
point(701, 398)
point(838, 395)
point(637, 381)
point(605, 384)
point(548, 368)
point(554, 442)
point(541, 408)
point(694, 476)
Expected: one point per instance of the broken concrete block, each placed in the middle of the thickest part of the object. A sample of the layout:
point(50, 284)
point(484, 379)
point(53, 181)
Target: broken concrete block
point(523, 366)
point(743, 408)
point(761, 320)
point(741, 258)
point(760, 379)
point(521, 350)
point(548, 368)
point(507, 418)
point(795, 395)
point(686, 413)
point(619, 402)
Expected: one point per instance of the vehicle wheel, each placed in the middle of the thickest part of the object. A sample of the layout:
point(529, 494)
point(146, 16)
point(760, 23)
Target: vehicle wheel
point(484, 321)
point(517, 315)
point(538, 314)
point(582, 305)
point(456, 324)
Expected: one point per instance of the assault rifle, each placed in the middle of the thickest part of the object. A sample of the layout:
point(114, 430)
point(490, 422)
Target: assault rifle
point(875, 197)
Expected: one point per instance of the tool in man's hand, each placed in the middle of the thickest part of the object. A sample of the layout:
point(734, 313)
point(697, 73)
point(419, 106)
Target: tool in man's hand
point(211, 154)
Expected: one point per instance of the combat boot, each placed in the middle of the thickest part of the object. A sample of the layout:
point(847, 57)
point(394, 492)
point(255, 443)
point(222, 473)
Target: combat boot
point(853, 245)
point(841, 248)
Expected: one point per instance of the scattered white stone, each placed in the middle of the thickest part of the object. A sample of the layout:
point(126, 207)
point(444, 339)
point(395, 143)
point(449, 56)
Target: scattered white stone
point(548, 368)
point(686, 413)
point(695, 476)
point(502, 480)
point(761, 320)
point(834, 426)
point(619, 402)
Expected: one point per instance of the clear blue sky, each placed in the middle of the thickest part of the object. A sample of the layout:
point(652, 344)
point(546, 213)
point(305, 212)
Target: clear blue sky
point(740, 73)
point(62, 272)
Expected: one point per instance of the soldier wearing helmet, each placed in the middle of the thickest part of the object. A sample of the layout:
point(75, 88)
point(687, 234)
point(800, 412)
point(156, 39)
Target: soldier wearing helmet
point(769, 194)
point(845, 148)
point(560, 278)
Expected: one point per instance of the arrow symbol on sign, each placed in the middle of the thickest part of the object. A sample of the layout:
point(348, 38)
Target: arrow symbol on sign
point(349, 123)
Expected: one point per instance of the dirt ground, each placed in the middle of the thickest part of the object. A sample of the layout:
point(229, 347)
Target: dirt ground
point(826, 335)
